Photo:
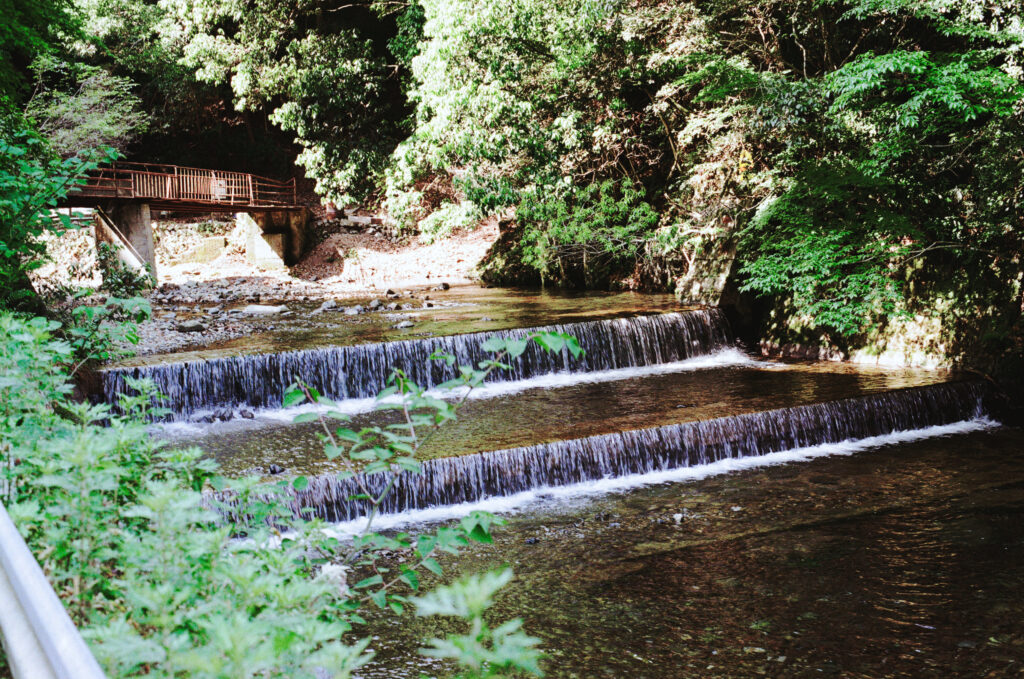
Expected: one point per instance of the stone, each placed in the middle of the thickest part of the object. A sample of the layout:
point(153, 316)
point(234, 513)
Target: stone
point(247, 414)
point(392, 307)
point(276, 469)
point(354, 310)
point(263, 310)
point(444, 286)
point(403, 324)
point(191, 326)
point(208, 249)
point(215, 309)
point(532, 541)
point(376, 304)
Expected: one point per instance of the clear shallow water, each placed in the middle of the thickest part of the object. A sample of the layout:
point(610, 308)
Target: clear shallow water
point(902, 560)
point(461, 309)
point(564, 406)
point(896, 556)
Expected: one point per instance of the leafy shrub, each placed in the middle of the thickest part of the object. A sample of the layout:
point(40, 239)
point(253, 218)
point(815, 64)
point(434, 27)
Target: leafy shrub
point(448, 219)
point(163, 586)
point(32, 182)
point(78, 107)
point(593, 226)
point(119, 279)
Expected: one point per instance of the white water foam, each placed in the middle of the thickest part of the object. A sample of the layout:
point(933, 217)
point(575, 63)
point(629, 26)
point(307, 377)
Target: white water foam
point(727, 358)
point(513, 503)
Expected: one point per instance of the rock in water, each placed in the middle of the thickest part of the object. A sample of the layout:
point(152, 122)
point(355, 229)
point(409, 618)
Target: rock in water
point(191, 326)
point(263, 310)
point(247, 414)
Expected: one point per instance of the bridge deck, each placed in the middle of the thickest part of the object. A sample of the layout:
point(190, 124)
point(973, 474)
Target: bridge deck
point(170, 187)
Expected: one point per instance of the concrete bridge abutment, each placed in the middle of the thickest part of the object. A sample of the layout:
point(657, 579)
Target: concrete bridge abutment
point(275, 238)
point(129, 228)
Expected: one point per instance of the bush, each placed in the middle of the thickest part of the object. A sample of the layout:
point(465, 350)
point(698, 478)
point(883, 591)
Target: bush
point(32, 182)
point(593, 228)
point(136, 545)
point(120, 279)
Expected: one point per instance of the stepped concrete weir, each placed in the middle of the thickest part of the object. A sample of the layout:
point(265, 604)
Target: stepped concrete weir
point(471, 478)
point(360, 371)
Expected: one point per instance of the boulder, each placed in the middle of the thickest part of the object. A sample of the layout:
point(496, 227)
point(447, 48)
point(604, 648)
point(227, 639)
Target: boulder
point(191, 326)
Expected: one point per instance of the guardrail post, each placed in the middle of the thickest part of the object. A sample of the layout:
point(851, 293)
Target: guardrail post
point(40, 640)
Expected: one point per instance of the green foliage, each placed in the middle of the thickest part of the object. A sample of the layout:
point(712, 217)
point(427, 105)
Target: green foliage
point(32, 182)
point(104, 332)
point(483, 651)
point(136, 545)
point(594, 224)
point(322, 76)
point(29, 29)
point(119, 279)
point(79, 107)
point(447, 219)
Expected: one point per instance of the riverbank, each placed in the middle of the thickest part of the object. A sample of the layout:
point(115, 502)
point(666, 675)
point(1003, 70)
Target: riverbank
point(199, 301)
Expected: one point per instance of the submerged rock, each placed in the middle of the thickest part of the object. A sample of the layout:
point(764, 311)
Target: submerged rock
point(191, 326)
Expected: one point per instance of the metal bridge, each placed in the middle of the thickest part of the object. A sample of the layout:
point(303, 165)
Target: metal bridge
point(124, 195)
point(180, 189)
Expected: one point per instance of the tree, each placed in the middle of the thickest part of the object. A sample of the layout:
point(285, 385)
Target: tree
point(32, 181)
point(322, 70)
point(29, 28)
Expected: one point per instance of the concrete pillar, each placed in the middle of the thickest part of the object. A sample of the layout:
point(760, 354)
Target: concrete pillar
point(262, 249)
point(298, 227)
point(133, 222)
point(275, 238)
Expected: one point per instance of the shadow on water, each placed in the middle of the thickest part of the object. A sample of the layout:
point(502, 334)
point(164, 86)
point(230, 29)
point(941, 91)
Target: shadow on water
point(905, 561)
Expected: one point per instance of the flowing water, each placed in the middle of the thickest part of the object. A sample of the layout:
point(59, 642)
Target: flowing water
point(661, 526)
point(359, 371)
point(901, 560)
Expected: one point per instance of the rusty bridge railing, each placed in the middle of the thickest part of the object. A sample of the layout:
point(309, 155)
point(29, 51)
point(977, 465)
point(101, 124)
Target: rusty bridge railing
point(174, 185)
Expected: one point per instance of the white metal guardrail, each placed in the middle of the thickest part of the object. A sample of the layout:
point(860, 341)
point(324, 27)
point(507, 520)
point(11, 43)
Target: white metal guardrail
point(39, 638)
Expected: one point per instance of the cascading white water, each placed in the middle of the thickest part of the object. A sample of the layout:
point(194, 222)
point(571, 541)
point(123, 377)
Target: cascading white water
point(470, 478)
point(342, 372)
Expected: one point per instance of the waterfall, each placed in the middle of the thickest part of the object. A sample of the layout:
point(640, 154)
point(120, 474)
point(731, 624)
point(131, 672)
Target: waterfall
point(359, 371)
point(469, 478)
